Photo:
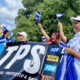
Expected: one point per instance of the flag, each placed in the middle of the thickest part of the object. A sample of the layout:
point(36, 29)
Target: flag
point(9, 40)
point(4, 28)
point(63, 44)
point(59, 15)
point(13, 39)
point(43, 39)
point(37, 15)
point(66, 69)
point(11, 34)
point(2, 44)
point(2, 40)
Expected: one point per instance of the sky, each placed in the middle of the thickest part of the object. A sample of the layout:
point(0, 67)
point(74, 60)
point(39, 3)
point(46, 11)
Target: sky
point(8, 12)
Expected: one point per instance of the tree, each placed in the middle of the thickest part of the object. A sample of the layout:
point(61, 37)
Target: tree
point(25, 21)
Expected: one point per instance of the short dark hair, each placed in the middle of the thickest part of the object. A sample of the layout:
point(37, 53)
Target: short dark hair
point(4, 33)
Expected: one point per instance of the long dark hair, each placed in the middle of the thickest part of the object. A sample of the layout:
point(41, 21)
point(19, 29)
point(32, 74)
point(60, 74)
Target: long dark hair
point(57, 37)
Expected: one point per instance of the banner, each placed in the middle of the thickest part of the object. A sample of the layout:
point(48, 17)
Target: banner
point(30, 61)
point(22, 61)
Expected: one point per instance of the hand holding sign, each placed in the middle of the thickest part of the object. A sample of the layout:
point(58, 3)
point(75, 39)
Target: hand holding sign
point(37, 15)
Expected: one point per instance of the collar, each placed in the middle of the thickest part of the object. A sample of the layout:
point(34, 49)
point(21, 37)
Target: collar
point(77, 34)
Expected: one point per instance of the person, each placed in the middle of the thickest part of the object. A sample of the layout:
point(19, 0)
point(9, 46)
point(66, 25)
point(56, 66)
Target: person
point(3, 39)
point(71, 60)
point(55, 37)
point(62, 36)
point(22, 36)
point(5, 34)
point(75, 41)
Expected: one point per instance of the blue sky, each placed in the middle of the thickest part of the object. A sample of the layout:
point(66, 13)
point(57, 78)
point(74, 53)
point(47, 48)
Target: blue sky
point(8, 12)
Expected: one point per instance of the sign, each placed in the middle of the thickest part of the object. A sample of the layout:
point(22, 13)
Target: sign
point(54, 49)
point(52, 62)
point(30, 61)
point(50, 68)
point(22, 61)
point(44, 77)
point(52, 58)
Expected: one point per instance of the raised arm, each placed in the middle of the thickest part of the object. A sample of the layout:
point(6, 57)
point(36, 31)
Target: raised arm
point(43, 32)
point(63, 37)
point(1, 31)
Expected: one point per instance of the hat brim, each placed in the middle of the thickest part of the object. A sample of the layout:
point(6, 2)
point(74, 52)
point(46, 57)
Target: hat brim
point(73, 19)
point(19, 33)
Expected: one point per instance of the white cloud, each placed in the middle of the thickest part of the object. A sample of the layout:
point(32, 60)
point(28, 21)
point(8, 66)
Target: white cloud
point(14, 4)
point(7, 14)
point(9, 11)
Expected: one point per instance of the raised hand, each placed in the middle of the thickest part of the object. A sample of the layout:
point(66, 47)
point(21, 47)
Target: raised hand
point(60, 24)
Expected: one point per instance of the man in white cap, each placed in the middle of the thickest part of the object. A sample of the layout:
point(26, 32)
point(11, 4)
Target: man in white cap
point(75, 45)
point(22, 36)
point(70, 65)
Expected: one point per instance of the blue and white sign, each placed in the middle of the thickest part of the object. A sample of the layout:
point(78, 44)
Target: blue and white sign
point(54, 49)
point(50, 68)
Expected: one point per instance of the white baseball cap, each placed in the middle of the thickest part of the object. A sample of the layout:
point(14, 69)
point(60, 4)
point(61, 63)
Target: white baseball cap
point(75, 18)
point(22, 33)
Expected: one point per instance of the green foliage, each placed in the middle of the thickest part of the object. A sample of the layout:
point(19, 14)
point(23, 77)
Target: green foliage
point(25, 21)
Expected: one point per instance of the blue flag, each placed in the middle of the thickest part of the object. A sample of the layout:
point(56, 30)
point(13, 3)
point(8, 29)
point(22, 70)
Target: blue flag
point(37, 15)
point(9, 40)
point(13, 39)
point(2, 40)
point(4, 28)
point(43, 39)
point(11, 34)
point(66, 69)
point(2, 44)
point(59, 15)
point(63, 44)
point(2, 47)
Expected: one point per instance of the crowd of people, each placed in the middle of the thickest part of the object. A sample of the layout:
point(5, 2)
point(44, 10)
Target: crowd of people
point(56, 37)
